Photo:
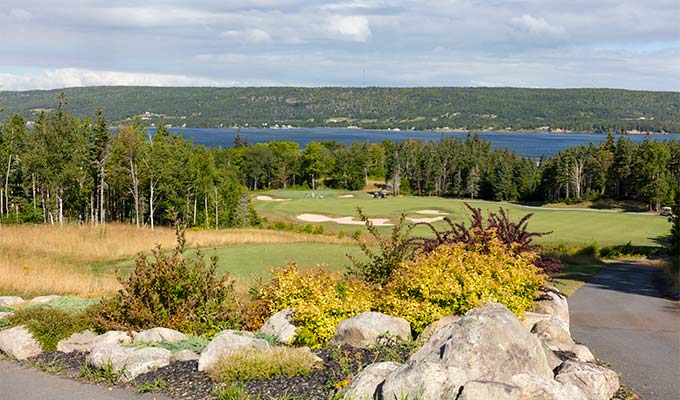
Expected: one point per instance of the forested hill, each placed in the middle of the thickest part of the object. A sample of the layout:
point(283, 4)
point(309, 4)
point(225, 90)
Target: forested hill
point(581, 110)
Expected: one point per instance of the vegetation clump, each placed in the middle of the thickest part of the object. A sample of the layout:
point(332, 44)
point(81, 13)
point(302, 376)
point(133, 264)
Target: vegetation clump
point(264, 364)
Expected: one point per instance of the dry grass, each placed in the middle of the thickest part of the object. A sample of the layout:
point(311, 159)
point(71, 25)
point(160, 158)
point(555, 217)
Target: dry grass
point(40, 259)
point(258, 365)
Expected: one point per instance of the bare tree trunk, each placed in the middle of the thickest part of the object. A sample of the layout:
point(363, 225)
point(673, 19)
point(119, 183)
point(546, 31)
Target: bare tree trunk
point(60, 200)
point(93, 211)
point(33, 181)
point(205, 199)
point(217, 212)
point(2, 205)
point(195, 204)
point(135, 189)
point(151, 193)
point(9, 164)
point(102, 176)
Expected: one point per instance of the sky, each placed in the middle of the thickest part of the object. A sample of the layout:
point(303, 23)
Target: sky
point(629, 44)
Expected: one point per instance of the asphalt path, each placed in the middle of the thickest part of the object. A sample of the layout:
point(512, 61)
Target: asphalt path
point(21, 383)
point(627, 320)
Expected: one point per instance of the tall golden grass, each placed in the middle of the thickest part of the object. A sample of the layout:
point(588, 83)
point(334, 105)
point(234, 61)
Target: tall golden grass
point(43, 259)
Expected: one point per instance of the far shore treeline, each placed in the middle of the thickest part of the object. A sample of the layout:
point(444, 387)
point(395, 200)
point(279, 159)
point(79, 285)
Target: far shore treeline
point(74, 169)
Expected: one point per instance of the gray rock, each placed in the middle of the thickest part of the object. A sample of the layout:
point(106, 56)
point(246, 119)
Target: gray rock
point(5, 314)
point(423, 381)
point(489, 343)
point(42, 299)
point(159, 335)
point(364, 385)
point(553, 360)
point(598, 383)
point(227, 342)
point(113, 354)
point(364, 329)
point(82, 341)
point(552, 330)
point(112, 337)
point(485, 390)
point(437, 325)
point(530, 319)
point(10, 301)
point(184, 355)
point(553, 304)
point(581, 352)
point(145, 360)
point(279, 325)
point(540, 388)
point(19, 343)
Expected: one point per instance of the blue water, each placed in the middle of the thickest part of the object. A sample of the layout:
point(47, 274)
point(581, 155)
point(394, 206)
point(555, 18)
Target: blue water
point(528, 144)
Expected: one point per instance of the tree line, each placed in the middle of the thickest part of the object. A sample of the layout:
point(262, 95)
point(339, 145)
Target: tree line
point(75, 169)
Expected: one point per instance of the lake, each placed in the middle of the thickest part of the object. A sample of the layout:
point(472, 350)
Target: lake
point(530, 144)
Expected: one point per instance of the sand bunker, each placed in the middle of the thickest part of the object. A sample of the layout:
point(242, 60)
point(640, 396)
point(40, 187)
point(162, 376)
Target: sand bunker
point(268, 198)
point(431, 212)
point(428, 220)
point(341, 220)
point(346, 196)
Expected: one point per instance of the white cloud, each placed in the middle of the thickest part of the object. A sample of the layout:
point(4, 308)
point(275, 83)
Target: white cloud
point(20, 15)
point(248, 35)
point(355, 27)
point(538, 26)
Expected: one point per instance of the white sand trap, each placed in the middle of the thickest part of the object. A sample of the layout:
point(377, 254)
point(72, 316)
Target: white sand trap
point(341, 220)
point(431, 212)
point(428, 220)
point(268, 198)
point(346, 196)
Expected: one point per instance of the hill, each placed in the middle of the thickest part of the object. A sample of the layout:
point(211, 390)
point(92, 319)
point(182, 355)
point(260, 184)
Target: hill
point(582, 110)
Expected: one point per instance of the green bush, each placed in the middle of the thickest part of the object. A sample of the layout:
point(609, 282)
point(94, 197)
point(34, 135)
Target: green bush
point(455, 278)
point(49, 325)
point(194, 343)
point(172, 291)
point(258, 365)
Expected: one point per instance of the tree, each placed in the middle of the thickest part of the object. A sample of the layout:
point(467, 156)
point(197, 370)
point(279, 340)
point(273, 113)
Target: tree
point(472, 185)
point(674, 240)
point(13, 136)
point(99, 144)
point(127, 152)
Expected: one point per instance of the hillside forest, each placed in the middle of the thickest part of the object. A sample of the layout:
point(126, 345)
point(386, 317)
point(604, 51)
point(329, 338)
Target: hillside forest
point(67, 168)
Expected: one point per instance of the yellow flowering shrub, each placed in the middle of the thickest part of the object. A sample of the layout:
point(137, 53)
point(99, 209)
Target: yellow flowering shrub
point(321, 300)
point(455, 278)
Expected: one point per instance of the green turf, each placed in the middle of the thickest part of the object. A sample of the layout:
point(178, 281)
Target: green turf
point(570, 227)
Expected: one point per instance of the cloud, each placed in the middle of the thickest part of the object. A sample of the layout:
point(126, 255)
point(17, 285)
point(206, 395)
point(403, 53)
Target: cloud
point(354, 27)
point(538, 26)
point(248, 35)
point(20, 14)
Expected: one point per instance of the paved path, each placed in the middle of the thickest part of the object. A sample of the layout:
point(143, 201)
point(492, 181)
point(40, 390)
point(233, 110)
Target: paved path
point(21, 383)
point(622, 316)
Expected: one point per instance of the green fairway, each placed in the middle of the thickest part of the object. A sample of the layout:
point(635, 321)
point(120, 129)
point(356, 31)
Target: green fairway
point(571, 227)
point(254, 260)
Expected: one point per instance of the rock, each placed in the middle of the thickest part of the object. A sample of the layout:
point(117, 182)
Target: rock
point(19, 343)
point(279, 325)
point(10, 301)
point(552, 330)
point(485, 390)
point(82, 341)
point(489, 343)
point(159, 335)
point(539, 388)
point(127, 362)
point(437, 325)
point(227, 342)
point(364, 329)
point(554, 304)
point(42, 300)
point(145, 360)
point(553, 360)
point(581, 352)
point(423, 381)
point(530, 319)
point(184, 355)
point(364, 385)
point(5, 314)
point(598, 383)
point(112, 337)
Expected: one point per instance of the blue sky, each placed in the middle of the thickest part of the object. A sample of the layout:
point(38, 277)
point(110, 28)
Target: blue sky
point(530, 43)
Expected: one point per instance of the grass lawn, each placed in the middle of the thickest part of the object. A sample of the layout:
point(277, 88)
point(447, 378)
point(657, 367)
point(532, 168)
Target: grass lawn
point(571, 227)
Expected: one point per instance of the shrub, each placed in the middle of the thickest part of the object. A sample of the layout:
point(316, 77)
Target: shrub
point(193, 343)
point(172, 291)
point(321, 299)
point(258, 365)
point(49, 325)
point(454, 278)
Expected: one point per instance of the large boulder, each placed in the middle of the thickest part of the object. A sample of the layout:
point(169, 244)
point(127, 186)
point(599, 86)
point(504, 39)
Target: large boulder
point(530, 319)
point(113, 354)
point(280, 326)
point(582, 353)
point(228, 342)
point(364, 385)
point(112, 337)
point(437, 325)
point(159, 335)
point(184, 355)
point(364, 329)
point(19, 343)
point(423, 381)
point(10, 301)
point(81, 341)
point(485, 390)
point(42, 300)
point(552, 330)
point(598, 383)
point(554, 303)
point(127, 362)
point(539, 388)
